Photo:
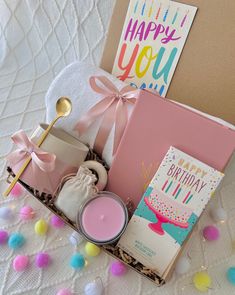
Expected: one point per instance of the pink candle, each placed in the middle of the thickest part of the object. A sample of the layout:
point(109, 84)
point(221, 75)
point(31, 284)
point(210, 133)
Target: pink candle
point(103, 218)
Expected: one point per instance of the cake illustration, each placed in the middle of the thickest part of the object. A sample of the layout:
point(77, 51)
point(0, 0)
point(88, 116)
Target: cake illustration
point(167, 210)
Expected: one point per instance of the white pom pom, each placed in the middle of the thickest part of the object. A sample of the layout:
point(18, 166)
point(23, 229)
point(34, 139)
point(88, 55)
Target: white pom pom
point(218, 214)
point(182, 265)
point(94, 288)
point(5, 213)
point(76, 239)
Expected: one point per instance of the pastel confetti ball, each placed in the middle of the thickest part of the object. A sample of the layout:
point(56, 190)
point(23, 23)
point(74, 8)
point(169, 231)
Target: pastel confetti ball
point(27, 213)
point(57, 221)
point(41, 227)
point(91, 249)
point(211, 233)
point(231, 275)
point(117, 268)
point(6, 213)
point(218, 214)
point(17, 190)
point(42, 260)
point(64, 292)
point(202, 281)
point(3, 237)
point(76, 239)
point(182, 265)
point(94, 288)
point(20, 263)
point(16, 241)
point(77, 261)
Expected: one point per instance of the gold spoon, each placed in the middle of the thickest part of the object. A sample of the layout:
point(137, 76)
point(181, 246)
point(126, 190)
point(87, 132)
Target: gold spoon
point(63, 109)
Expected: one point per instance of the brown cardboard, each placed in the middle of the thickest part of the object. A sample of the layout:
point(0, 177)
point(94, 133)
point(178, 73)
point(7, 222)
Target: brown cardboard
point(205, 75)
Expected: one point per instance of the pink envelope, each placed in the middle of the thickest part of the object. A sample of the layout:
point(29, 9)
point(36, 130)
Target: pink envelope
point(155, 125)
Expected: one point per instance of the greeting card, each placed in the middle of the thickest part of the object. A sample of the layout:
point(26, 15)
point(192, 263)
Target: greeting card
point(153, 36)
point(171, 205)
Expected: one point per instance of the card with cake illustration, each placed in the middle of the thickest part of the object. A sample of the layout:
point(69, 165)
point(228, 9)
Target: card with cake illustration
point(153, 37)
point(168, 210)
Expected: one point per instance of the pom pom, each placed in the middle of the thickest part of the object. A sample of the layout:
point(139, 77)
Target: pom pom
point(56, 221)
point(17, 190)
point(77, 261)
point(27, 213)
point(117, 268)
point(64, 292)
point(41, 227)
point(202, 281)
point(5, 213)
point(218, 214)
point(211, 233)
point(182, 265)
point(42, 260)
point(20, 262)
point(3, 237)
point(16, 241)
point(76, 239)
point(91, 249)
point(94, 288)
point(231, 275)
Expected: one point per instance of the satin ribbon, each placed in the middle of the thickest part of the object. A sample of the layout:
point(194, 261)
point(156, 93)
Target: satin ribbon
point(40, 159)
point(113, 108)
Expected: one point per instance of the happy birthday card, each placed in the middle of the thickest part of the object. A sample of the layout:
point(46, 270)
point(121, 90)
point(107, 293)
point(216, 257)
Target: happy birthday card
point(153, 36)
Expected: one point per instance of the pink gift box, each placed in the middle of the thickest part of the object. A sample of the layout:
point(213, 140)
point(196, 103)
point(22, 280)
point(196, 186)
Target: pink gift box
point(155, 125)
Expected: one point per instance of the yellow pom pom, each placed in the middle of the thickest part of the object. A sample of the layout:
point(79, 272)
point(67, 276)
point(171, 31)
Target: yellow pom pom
point(202, 281)
point(91, 249)
point(40, 227)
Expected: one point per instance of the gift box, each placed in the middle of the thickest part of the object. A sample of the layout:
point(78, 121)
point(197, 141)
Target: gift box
point(155, 125)
point(101, 106)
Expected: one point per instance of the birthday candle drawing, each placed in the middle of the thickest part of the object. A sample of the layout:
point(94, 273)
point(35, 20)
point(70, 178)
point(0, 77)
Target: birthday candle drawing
point(158, 12)
point(189, 199)
point(150, 9)
point(166, 13)
point(176, 189)
point(186, 196)
point(175, 16)
point(143, 8)
point(169, 186)
point(178, 193)
point(184, 19)
point(164, 185)
point(161, 89)
point(136, 6)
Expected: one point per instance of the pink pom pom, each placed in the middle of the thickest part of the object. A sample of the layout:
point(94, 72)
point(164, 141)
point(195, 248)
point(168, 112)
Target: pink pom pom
point(56, 221)
point(20, 262)
point(64, 292)
point(17, 190)
point(27, 213)
point(42, 260)
point(211, 233)
point(3, 236)
point(117, 268)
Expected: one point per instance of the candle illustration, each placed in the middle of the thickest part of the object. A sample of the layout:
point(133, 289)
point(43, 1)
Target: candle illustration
point(143, 8)
point(184, 19)
point(103, 218)
point(165, 15)
point(158, 12)
point(150, 9)
point(175, 16)
point(136, 6)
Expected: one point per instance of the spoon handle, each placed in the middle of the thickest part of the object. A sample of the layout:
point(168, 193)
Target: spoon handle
point(28, 160)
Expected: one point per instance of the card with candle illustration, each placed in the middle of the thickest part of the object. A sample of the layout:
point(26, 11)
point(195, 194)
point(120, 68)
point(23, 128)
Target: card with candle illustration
point(171, 205)
point(152, 40)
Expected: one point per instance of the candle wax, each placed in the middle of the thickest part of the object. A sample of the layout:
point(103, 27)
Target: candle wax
point(103, 218)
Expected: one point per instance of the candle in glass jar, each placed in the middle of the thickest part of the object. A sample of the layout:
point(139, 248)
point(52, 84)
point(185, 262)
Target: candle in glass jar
point(103, 218)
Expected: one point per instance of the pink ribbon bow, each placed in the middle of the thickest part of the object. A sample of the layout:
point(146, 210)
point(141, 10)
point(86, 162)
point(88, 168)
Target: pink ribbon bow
point(113, 108)
point(40, 159)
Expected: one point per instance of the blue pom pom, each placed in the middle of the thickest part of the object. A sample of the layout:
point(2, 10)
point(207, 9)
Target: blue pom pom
point(231, 275)
point(16, 241)
point(77, 261)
